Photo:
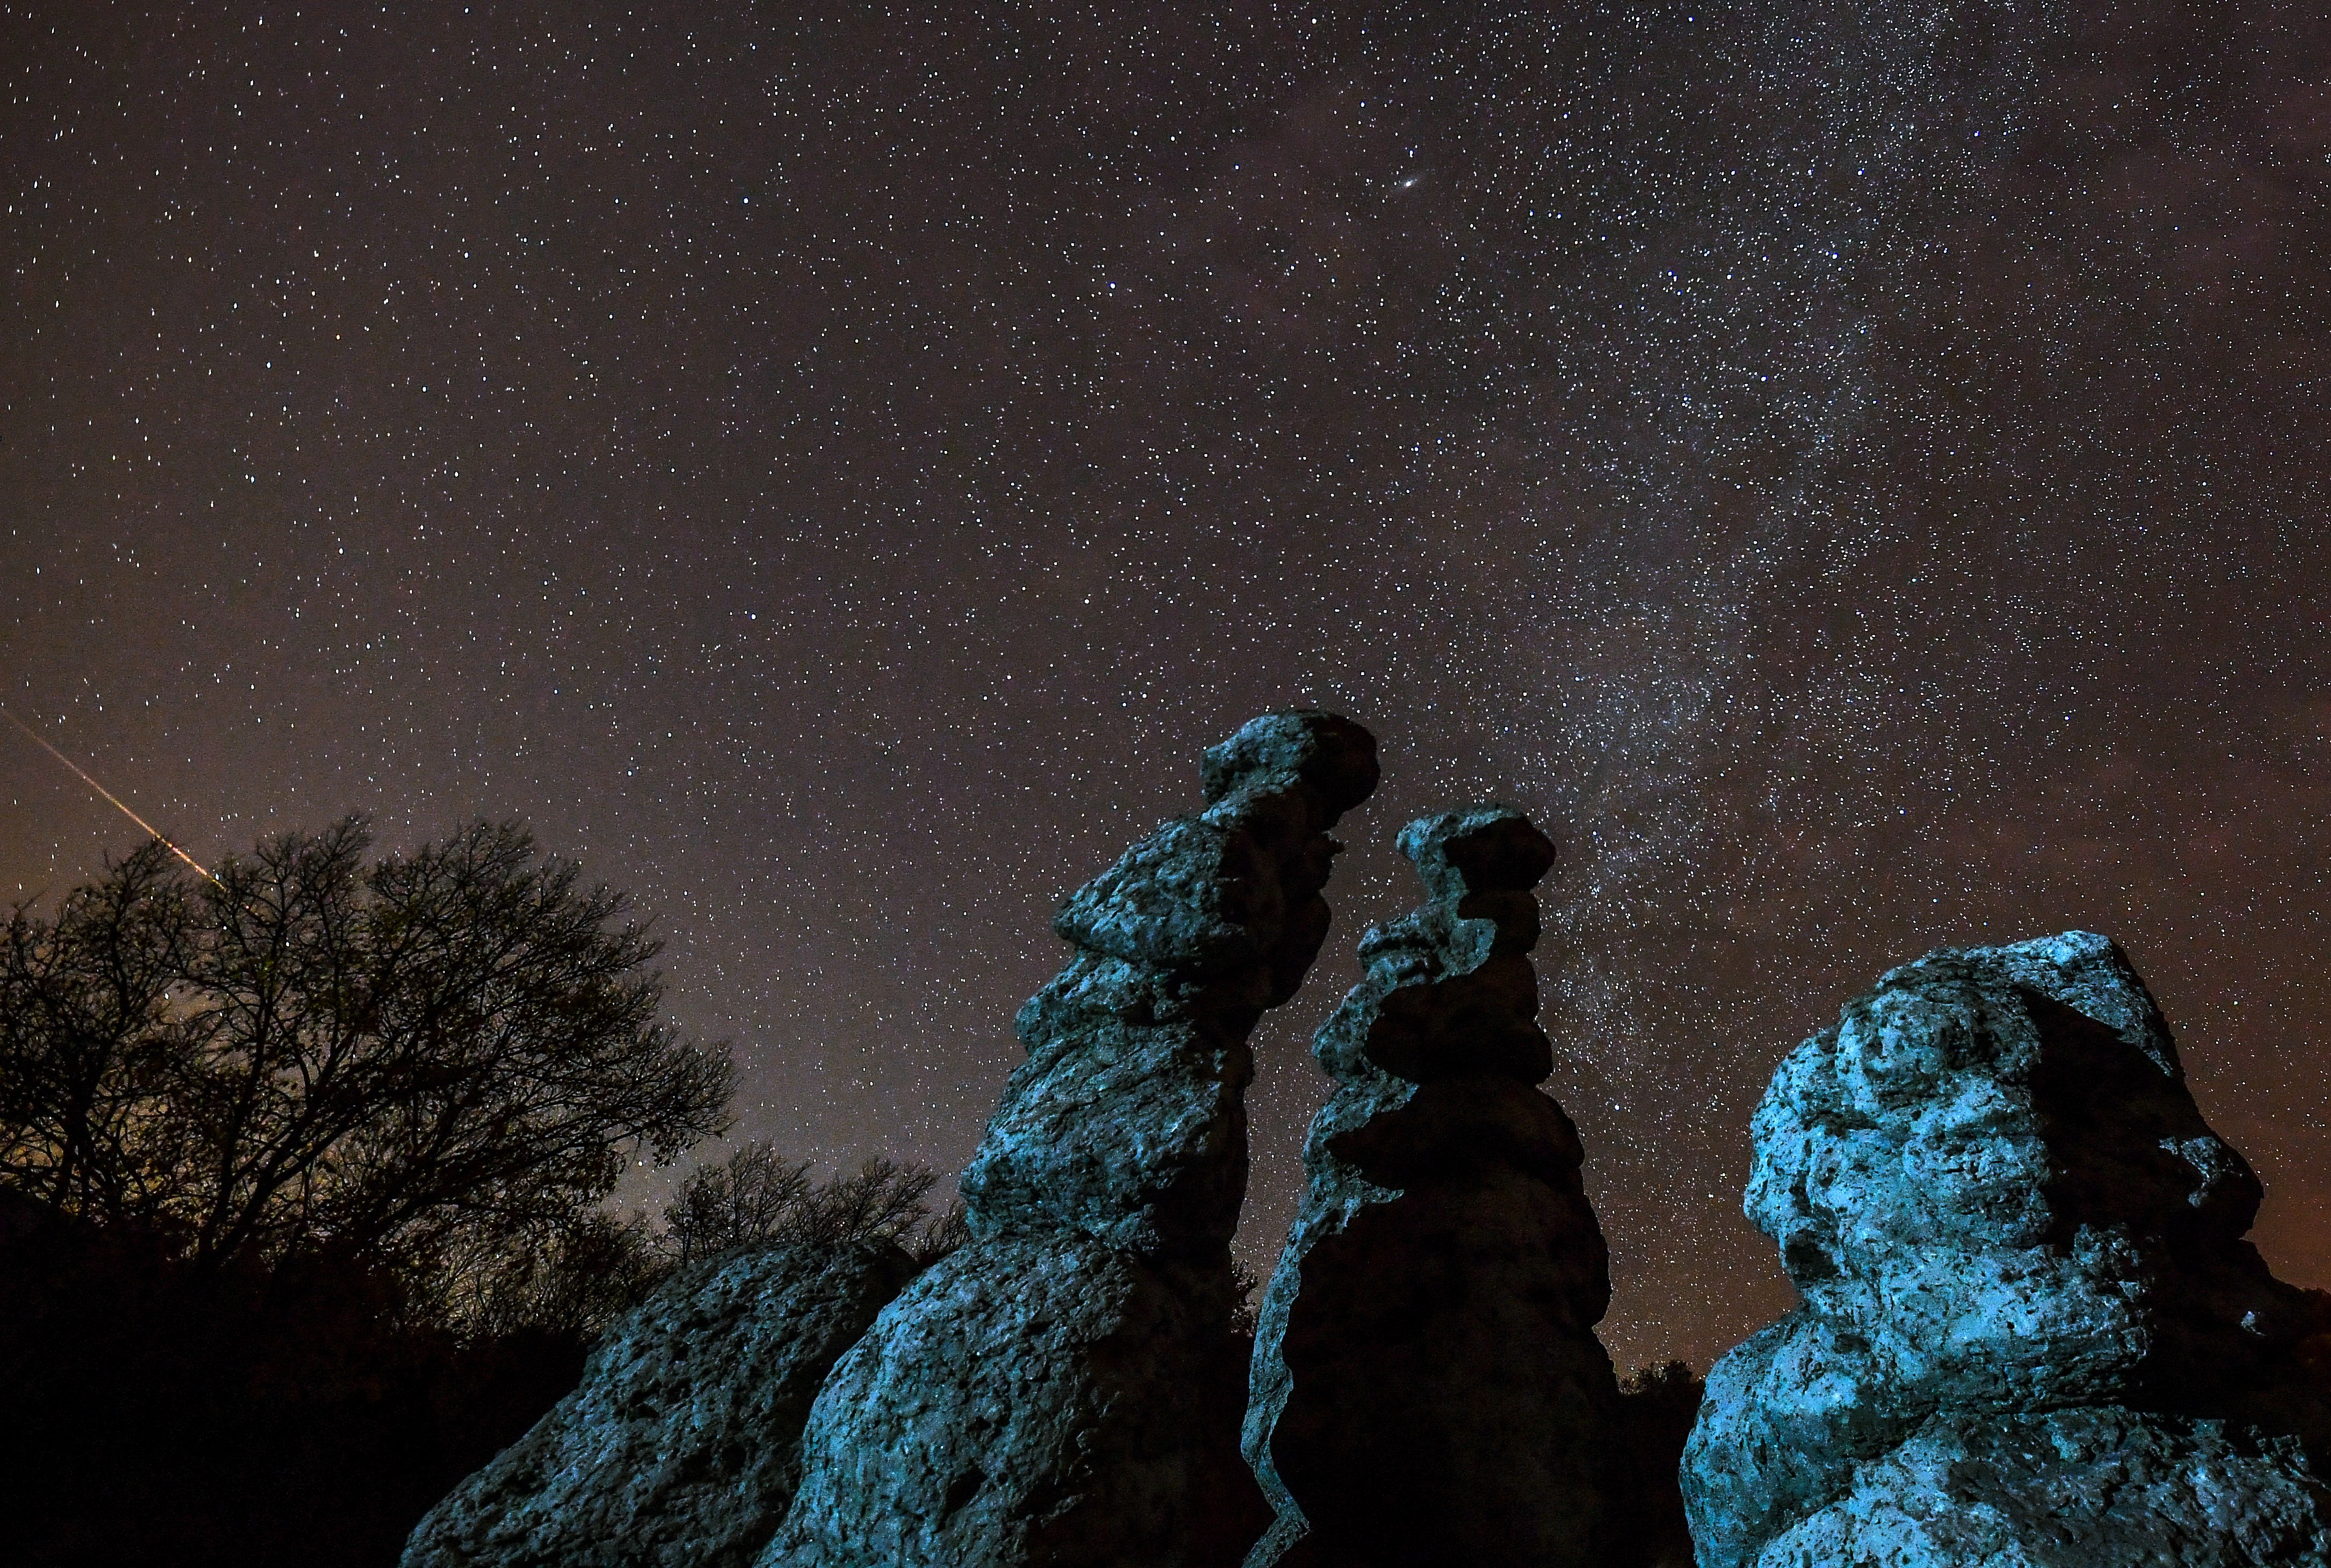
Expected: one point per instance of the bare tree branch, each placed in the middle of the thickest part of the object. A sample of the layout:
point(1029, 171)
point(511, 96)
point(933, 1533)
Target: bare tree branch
point(421, 1061)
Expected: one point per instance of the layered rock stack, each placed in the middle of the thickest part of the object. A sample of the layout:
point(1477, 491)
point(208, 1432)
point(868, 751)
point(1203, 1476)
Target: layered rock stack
point(2032, 1333)
point(1061, 1390)
point(1427, 1386)
point(682, 1446)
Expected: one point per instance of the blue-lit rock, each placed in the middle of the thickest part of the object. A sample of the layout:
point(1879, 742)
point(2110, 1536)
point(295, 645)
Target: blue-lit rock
point(682, 1446)
point(2031, 1332)
point(1065, 1389)
point(1427, 1385)
point(2097, 1487)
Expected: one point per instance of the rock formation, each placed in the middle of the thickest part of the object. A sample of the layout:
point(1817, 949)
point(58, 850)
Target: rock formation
point(682, 1446)
point(2032, 1333)
point(1427, 1386)
point(1064, 1389)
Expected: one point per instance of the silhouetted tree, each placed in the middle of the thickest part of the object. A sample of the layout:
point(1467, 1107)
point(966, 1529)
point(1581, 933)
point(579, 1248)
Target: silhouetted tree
point(747, 1200)
point(759, 1198)
point(438, 1063)
point(573, 1281)
point(941, 1234)
point(1656, 1407)
point(91, 1045)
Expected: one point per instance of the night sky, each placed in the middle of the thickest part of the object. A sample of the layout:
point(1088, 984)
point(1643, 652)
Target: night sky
point(1854, 472)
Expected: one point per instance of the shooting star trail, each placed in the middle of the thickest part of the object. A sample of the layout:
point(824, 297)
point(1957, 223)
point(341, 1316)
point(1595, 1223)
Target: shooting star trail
point(41, 741)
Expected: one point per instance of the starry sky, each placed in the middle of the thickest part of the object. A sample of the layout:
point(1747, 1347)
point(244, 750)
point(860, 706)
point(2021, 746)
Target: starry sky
point(1855, 471)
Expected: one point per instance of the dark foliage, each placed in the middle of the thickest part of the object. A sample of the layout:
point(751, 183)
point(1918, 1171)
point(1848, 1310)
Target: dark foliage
point(302, 1411)
point(942, 1234)
point(1656, 1407)
point(575, 1281)
point(158, 1412)
point(759, 1198)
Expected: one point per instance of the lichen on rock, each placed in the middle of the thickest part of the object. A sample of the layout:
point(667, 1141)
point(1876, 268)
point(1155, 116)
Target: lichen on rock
point(2012, 1232)
point(1064, 1388)
point(1427, 1387)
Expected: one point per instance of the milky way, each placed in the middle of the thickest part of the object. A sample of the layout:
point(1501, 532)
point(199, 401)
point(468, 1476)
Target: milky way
point(1854, 472)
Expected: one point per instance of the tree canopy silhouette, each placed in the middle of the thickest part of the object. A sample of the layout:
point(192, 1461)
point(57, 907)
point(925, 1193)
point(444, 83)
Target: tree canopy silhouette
point(759, 1198)
point(412, 1063)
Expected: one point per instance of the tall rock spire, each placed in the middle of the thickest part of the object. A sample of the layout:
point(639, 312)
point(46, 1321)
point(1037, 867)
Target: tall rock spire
point(1062, 1389)
point(1427, 1385)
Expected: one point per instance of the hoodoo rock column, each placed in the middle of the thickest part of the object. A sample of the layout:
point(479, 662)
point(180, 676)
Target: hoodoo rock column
point(1427, 1386)
point(1061, 1390)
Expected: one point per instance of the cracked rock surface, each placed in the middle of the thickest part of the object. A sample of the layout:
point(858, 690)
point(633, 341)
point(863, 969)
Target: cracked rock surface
point(2031, 1332)
point(1427, 1387)
point(1065, 1388)
point(682, 1446)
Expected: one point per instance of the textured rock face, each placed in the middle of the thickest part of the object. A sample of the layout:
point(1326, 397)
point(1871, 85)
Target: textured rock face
point(1042, 1399)
point(2031, 1332)
point(2075, 1489)
point(1427, 1387)
point(681, 1446)
point(1063, 1389)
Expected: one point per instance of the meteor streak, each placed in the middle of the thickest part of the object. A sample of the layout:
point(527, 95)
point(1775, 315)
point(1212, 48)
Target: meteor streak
point(41, 741)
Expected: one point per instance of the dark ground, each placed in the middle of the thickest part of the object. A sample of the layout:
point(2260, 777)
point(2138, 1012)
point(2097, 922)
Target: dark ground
point(149, 1415)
